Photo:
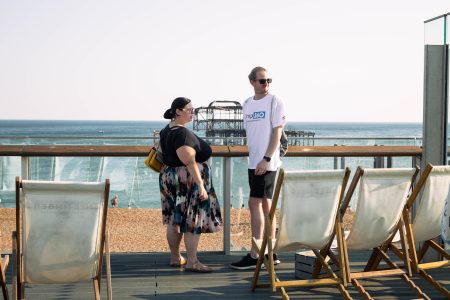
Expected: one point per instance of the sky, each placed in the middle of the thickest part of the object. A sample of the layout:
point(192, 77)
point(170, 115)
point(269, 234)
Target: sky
point(331, 61)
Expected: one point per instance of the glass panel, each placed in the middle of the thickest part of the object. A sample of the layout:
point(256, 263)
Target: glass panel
point(435, 31)
point(10, 167)
point(137, 187)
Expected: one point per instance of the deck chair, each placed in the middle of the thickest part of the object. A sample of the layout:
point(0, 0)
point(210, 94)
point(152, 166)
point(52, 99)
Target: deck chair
point(310, 201)
point(378, 216)
point(434, 188)
point(60, 234)
point(3, 265)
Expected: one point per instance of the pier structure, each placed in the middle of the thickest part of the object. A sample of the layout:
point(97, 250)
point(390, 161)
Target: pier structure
point(223, 119)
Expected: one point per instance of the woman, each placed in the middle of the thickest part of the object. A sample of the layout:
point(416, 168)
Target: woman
point(189, 203)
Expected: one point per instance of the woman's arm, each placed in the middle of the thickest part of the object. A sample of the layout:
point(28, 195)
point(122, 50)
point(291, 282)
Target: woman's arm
point(187, 156)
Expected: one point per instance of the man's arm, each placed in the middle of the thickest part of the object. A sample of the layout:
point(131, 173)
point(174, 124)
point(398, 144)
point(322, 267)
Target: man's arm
point(261, 168)
point(274, 141)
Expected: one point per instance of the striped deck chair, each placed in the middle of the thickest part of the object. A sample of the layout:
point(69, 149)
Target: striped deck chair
point(310, 201)
point(3, 265)
point(60, 234)
point(378, 216)
point(434, 188)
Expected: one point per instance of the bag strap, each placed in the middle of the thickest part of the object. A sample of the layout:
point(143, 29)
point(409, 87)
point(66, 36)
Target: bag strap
point(271, 108)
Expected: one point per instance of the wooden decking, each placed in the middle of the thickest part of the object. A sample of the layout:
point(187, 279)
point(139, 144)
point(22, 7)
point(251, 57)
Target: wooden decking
point(148, 276)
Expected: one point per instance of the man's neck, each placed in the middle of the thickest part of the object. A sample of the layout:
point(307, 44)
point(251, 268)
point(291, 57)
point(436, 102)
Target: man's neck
point(260, 96)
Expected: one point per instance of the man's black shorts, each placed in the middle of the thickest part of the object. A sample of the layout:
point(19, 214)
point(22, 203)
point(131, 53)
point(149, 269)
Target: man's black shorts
point(261, 186)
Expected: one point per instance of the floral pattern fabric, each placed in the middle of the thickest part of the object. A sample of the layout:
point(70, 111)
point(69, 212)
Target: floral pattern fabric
point(446, 226)
point(180, 200)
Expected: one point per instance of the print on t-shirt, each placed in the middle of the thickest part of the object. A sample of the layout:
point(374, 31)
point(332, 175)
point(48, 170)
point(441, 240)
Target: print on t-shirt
point(255, 116)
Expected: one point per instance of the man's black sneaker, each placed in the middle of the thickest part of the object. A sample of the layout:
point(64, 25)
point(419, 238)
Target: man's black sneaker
point(276, 260)
point(246, 263)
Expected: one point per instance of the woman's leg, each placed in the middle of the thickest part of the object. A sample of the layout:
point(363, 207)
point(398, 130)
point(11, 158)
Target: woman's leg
point(193, 264)
point(191, 242)
point(174, 237)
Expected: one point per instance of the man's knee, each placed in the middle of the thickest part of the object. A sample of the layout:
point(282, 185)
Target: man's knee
point(254, 201)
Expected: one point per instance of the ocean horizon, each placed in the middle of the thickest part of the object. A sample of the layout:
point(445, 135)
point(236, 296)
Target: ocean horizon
point(137, 128)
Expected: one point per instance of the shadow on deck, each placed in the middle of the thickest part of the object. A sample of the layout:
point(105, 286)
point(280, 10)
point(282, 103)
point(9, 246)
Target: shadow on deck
point(148, 276)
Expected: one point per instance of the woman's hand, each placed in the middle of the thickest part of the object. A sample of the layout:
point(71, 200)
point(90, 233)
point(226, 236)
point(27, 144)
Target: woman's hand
point(202, 193)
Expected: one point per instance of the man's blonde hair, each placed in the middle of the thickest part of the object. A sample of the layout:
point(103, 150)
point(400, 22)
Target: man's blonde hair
point(252, 75)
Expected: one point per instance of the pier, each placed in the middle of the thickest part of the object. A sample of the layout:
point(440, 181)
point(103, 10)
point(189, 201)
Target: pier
point(224, 119)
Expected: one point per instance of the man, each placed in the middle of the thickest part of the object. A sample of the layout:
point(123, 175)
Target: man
point(263, 121)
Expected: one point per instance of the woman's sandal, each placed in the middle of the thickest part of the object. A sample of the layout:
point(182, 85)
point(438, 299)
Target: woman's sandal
point(181, 262)
point(199, 268)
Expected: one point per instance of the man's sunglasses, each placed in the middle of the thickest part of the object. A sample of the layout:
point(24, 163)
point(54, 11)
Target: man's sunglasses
point(263, 81)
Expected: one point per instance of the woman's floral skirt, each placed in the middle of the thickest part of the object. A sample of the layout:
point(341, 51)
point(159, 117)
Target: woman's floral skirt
point(180, 200)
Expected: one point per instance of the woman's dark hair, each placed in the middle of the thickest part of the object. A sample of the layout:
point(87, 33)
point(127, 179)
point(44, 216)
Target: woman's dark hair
point(178, 103)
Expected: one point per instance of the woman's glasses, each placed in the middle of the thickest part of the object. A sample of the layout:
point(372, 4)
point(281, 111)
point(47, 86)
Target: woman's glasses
point(264, 80)
point(190, 110)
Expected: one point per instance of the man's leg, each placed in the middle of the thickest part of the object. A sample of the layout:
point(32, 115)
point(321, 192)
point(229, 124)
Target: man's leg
point(261, 190)
point(256, 221)
point(266, 204)
point(259, 209)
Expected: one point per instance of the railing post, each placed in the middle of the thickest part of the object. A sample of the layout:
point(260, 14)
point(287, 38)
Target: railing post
point(415, 161)
point(378, 162)
point(226, 204)
point(389, 161)
point(25, 169)
point(335, 160)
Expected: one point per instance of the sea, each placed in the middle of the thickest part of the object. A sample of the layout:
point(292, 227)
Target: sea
point(137, 186)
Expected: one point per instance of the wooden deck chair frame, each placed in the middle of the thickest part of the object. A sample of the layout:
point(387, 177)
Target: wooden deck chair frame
point(268, 262)
point(4, 261)
point(18, 280)
point(412, 254)
point(369, 272)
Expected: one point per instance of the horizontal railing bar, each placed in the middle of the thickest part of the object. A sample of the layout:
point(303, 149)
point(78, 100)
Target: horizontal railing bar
point(208, 138)
point(435, 18)
point(218, 151)
point(69, 137)
point(363, 138)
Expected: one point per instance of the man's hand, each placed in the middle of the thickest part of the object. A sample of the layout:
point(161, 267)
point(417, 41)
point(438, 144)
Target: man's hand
point(261, 168)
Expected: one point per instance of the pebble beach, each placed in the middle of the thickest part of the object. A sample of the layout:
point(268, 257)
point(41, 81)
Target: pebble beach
point(141, 230)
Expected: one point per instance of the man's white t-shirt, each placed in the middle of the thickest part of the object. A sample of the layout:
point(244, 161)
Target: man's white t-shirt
point(257, 124)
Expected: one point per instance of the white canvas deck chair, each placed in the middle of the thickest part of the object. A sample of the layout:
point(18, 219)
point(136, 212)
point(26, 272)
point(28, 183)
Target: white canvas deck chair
point(309, 205)
point(60, 234)
point(3, 265)
point(433, 190)
point(378, 216)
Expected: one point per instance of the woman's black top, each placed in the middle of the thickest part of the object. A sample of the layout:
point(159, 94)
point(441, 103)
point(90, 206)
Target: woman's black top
point(173, 138)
